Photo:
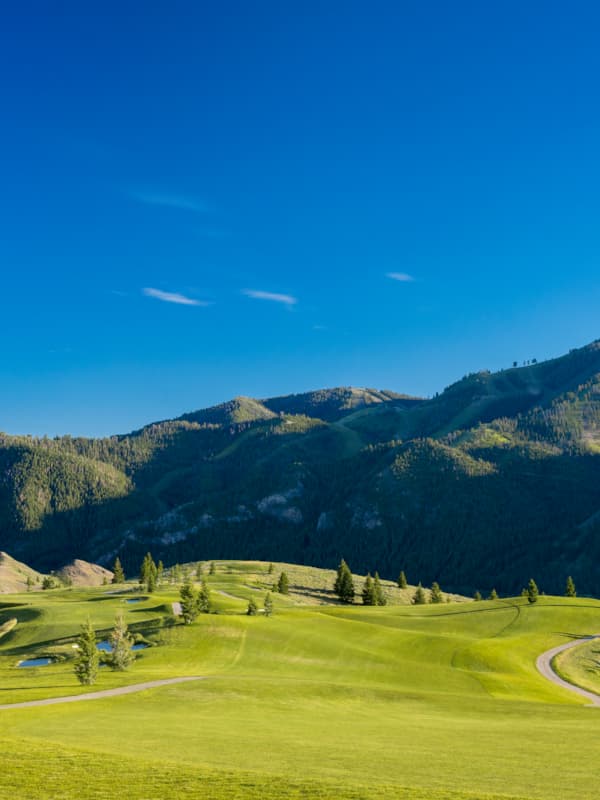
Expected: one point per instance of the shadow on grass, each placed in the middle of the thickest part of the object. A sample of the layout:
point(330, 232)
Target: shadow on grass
point(143, 627)
point(162, 608)
point(130, 597)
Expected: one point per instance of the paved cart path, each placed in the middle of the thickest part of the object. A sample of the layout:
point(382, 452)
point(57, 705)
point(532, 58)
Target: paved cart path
point(76, 698)
point(544, 665)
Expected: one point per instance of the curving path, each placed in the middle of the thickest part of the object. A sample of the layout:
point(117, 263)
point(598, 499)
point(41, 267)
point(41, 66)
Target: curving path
point(135, 687)
point(544, 666)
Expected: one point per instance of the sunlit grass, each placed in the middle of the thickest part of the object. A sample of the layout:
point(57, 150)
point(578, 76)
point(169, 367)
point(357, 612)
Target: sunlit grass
point(319, 701)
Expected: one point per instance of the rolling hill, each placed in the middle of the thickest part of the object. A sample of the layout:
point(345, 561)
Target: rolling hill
point(493, 480)
point(320, 700)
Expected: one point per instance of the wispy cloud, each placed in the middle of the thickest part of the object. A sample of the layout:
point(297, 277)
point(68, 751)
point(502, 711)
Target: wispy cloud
point(180, 201)
point(286, 299)
point(403, 277)
point(173, 297)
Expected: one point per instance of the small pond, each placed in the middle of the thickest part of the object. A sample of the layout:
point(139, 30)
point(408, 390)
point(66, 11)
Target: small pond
point(106, 648)
point(35, 662)
point(135, 600)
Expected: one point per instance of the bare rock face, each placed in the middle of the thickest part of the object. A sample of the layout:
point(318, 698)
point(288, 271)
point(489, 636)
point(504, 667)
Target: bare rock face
point(82, 573)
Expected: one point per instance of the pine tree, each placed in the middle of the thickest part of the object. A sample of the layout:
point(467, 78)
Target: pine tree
point(402, 583)
point(88, 658)
point(121, 642)
point(436, 595)
point(160, 568)
point(212, 569)
point(252, 609)
point(118, 574)
point(148, 573)
point(283, 584)
point(204, 598)
point(176, 574)
point(532, 591)
point(378, 594)
point(151, 580)
point(368, 593)
point(199, 571)
point(344, 585)
point(270, 569)
point(419, 597)
point(477, 596)
point(493, 595)
point(144, 570)
point(268, 605)
point(29, 583)
point(570, 590)
point(189, 603)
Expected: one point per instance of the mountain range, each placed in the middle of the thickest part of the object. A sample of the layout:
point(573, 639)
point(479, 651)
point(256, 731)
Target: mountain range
point(492, 481)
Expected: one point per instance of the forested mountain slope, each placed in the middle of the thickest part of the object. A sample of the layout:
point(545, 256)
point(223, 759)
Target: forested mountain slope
point(492, 481)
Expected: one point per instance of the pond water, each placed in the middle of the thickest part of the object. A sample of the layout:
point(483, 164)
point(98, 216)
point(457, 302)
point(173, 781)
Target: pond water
point(106, 648)
point(135, 600)
point(35, 662)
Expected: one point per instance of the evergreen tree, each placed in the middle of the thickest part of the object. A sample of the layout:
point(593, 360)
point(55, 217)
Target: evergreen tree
point(436, 595)
point(88, 658)
point(402, 583)
point(252, 609)
point(144, 570)
point(570, 590)
point(368, 592)
point(176, 574)
point(344, 585)
point(419, 597)
point(148, 573)
point(212, 569)
point(199, 571)
point(378, 593)
point(189, 602)
point(268, 605)
point(118, 574)
point(151, 581)
point(283, 584)
point(532, 591)
point(270, 569)
point(204, 598)
point(477, 596)
point(493, 595)
point(160, 568)
point(29, 583)
point(121, 642)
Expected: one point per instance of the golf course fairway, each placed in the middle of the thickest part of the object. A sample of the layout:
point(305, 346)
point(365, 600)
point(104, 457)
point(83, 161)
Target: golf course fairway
point(439, 702)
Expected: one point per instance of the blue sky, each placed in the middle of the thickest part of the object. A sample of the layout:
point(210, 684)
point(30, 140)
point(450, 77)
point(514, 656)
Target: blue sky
point(199, 200)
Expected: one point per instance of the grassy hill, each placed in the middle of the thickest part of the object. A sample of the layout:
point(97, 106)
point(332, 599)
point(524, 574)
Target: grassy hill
point(319, 701)
point(489, 482)
point(14, 575)
point(82, 573)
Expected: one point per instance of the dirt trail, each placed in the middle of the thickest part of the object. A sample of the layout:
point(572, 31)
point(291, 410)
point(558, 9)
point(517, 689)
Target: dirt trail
point(136, 687)
point(544, 666)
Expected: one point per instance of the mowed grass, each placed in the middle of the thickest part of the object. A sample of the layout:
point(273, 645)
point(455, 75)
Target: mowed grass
point(581, 665)
point(318, 701)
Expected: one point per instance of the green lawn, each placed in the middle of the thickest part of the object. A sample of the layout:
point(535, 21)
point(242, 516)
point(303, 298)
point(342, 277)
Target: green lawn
point(581, 665)
point(319, 701)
